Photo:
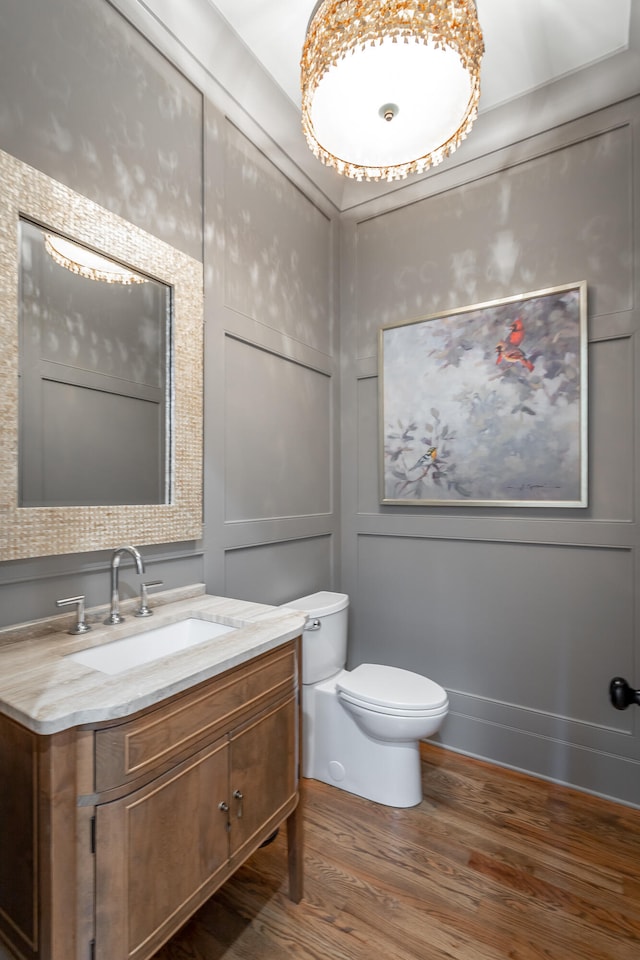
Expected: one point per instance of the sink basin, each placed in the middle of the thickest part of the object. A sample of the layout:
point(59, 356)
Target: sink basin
point(121, 655)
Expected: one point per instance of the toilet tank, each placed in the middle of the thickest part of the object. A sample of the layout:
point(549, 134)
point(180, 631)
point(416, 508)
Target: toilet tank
point(324, 640)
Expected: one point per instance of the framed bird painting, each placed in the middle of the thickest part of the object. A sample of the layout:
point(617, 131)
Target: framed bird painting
point(487, 405)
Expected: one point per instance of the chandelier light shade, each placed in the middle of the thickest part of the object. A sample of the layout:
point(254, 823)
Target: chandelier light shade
point(389, 87)
point(85, 263)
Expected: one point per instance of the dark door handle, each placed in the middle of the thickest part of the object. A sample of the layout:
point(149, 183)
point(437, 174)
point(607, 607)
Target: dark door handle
point(621, 694)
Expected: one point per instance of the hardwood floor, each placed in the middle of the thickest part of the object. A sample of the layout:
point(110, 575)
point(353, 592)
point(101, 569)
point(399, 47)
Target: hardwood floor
point(491, 865)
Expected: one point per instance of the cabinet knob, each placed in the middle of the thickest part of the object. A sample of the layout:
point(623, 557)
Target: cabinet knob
point(223, 806)
point(237, 795)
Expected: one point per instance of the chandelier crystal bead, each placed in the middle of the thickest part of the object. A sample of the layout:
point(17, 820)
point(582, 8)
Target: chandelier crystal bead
point(378, 109)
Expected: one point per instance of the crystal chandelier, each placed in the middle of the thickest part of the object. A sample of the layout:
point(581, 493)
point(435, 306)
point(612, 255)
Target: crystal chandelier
point(389, 87)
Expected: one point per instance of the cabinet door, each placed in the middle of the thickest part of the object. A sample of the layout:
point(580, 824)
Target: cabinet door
point(263, 775)
point(159, 853)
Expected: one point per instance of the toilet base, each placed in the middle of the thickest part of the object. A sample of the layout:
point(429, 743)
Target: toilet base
point(343, 756)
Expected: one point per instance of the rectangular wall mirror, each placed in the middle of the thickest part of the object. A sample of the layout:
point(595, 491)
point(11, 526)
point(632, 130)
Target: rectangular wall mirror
point(94, 414)
point(101, 336)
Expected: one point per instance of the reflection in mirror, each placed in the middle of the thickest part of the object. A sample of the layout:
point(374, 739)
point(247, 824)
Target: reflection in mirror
point(95, 387)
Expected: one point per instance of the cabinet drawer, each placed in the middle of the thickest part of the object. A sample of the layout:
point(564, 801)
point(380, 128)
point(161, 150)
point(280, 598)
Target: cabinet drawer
point(145, 745)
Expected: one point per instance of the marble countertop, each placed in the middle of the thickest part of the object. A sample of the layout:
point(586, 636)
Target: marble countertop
point(45, 691)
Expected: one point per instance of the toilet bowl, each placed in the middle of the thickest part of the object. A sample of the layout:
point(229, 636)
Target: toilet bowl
point(362, 727)
point(392, 704)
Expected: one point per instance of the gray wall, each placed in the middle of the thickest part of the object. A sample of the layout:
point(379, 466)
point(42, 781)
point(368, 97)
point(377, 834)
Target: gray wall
point(271, 466)
point(524, 615)
point(91, 102)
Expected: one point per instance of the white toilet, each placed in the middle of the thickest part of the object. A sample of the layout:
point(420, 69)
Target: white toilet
point(361, 726)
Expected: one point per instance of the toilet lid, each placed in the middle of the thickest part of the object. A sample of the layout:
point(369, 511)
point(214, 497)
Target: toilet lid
point(382, 686)
point(319, 604)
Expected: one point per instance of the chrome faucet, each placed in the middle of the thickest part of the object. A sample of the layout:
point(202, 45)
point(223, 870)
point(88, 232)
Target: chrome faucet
point(114, 615)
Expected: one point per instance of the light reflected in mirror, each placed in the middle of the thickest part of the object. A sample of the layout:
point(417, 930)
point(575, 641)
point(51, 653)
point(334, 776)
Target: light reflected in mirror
point(95, 377)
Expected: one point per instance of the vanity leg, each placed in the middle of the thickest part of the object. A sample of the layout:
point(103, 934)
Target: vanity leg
point(295, 850)
point(57, 798)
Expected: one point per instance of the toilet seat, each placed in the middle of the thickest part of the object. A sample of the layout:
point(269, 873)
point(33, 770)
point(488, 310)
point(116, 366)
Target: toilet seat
point(423, 713)
point(391, 691)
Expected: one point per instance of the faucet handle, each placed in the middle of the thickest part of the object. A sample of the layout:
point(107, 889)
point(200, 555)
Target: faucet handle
point(81, 625)
point(144, 610)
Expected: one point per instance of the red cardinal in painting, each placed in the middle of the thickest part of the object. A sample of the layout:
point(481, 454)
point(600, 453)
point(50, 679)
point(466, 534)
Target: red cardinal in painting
point(512, 354)
point(516, 336)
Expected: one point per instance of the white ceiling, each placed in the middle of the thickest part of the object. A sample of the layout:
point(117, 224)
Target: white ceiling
point(546, 62)
point(529, 43)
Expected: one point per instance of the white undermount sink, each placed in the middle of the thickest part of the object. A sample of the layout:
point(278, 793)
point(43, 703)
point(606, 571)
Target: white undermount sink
point(120, 655)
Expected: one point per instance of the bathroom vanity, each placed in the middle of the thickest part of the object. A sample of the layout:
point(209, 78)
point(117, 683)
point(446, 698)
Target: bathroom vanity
point(128, 798)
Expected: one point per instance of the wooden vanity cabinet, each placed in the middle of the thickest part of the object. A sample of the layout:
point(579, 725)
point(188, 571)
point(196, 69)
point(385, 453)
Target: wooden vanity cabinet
point(182, 794)
point(164, 848)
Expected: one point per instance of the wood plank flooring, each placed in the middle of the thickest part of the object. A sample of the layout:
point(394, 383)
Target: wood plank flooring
point(491, 865)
